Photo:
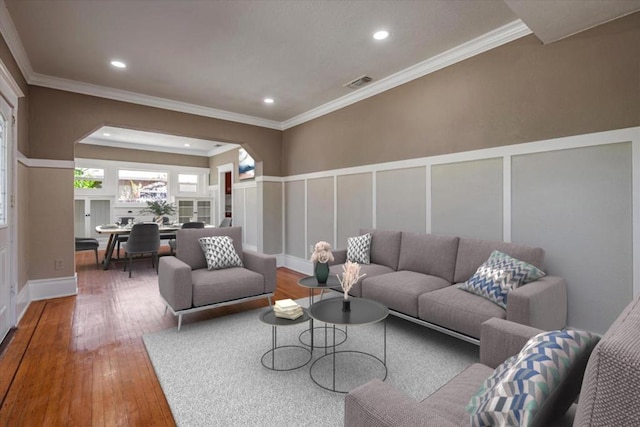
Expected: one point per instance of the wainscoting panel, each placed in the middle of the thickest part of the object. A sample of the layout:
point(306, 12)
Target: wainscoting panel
point(355, 206)
point(239, 210)
point(251, 216)
point(401, 199)
point(577, 205)
point(295, 223)
point(272, 217)
point(320, 202)
point(466, 199)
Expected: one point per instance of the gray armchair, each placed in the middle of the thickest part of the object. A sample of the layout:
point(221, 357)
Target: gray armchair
point(187, 286)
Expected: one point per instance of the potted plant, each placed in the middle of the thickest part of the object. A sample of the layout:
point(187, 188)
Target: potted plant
point(159, 209)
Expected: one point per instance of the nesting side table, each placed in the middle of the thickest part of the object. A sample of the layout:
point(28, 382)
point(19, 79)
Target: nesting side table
point(269, 317)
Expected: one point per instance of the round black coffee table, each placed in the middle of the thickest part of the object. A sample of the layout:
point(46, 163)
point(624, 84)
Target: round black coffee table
point(269, 317)
point(363, 311)
point(312, 284)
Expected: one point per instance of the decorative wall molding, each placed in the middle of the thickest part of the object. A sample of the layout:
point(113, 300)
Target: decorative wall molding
point(505, 153)
point(52, 288)
point(483, 43)
point(45, 163)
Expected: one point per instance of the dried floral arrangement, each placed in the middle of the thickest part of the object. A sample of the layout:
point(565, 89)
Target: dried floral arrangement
point(350, 276)
point(322, 253)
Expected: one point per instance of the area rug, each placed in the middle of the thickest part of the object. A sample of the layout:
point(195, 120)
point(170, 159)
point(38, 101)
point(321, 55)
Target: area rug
point(211, 371)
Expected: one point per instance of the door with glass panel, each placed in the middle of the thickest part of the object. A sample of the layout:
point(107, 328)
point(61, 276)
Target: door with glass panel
point(5, 219)
point(194, 210)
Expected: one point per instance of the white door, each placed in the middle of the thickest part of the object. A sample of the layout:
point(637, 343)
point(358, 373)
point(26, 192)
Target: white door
point(5, 217)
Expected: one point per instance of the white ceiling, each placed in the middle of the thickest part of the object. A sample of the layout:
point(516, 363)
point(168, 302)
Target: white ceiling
point(221, 58)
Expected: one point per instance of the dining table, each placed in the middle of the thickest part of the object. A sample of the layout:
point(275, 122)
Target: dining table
point(115, 230)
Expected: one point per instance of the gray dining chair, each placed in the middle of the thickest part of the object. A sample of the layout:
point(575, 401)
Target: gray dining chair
point(193, 224)
point(226, 222)
point(124, 220)
point(143, 239)
point(88, 244)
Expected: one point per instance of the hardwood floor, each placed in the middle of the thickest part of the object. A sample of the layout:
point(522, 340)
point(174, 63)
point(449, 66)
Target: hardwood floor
point(79, 361)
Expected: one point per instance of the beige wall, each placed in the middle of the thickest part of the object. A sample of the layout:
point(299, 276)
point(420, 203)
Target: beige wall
point(230, 156)
point(88, 151)
point(50, 222)
point(516, 93)
point(58, 119)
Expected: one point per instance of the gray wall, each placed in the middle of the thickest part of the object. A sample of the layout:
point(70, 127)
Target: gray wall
point(270, 201)
point(576, 204)
point(466, 199)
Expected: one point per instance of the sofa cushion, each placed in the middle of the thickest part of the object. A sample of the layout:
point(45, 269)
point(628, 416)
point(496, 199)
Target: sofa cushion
point(400, 290)
point(498, 276)
point(219, 252)
point(371, 270)
point(611, 388)
point(473, 252)
point(189, 250)
point(450, 400)
point(359, 249)
point(213, 286)
point(536, 385)
point(385, 247)
point(458, 310)
point(429, 254)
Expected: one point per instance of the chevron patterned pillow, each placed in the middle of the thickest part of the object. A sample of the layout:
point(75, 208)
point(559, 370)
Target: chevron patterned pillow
point(498, 276)
point(219, 252)
point(518, 388)
point(359, 249)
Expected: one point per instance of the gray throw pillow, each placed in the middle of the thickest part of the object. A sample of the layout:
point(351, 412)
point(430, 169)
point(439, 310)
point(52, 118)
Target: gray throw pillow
point(359, 249)
point(219, 252)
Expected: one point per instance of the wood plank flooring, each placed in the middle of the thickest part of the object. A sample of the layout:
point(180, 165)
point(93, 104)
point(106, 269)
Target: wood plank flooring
point(80, 361)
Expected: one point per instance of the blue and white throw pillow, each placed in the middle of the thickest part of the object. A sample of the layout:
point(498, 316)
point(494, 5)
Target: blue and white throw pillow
point(359, 249)
point(499, 275)
point(516, 390)
point(219, 252)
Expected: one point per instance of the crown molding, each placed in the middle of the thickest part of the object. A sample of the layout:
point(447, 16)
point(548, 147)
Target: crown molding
point(10, 35)
point(483, 43)
point(150, 101)
point(44, 163)
point(174, 150)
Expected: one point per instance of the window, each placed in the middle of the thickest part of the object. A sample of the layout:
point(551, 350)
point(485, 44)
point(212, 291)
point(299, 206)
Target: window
point(141, 186)
point(88, 178)
point(187, 183)
point(4, 174)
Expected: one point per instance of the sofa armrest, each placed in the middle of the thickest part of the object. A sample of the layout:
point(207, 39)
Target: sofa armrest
point(340, 257)
point(174, 282)
point(263, 264)
point(378, 404)
point(501, 339)
point(541, 304)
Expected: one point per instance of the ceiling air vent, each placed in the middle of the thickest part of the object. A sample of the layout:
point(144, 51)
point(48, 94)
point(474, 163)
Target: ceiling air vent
point(359, 82)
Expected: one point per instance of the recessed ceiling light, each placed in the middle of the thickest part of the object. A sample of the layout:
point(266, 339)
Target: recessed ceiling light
point(118, 64)
point(106, 134)
point(381, 35)
point(187, 145)
point(269, 101)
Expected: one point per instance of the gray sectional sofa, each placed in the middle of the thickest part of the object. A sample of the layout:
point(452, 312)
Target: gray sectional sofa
point(415, 275)
point(609, 393)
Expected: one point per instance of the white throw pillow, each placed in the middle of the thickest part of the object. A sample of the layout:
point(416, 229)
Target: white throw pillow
point(219, 252)
point(359, 249)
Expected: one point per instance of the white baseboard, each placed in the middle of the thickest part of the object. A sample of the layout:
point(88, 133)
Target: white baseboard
point(297, 264)
point(22, 302)
point(52, 288)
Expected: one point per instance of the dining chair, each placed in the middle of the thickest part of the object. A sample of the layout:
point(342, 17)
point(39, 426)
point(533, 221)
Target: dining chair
point(226, 222)
point(143, 239)
point(124, 220)
point(88, 244)
point(193, 224)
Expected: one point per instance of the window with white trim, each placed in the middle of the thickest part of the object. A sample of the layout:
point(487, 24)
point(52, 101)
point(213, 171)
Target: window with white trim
point(136, 186)
point(187, 183)
point(88, 178)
